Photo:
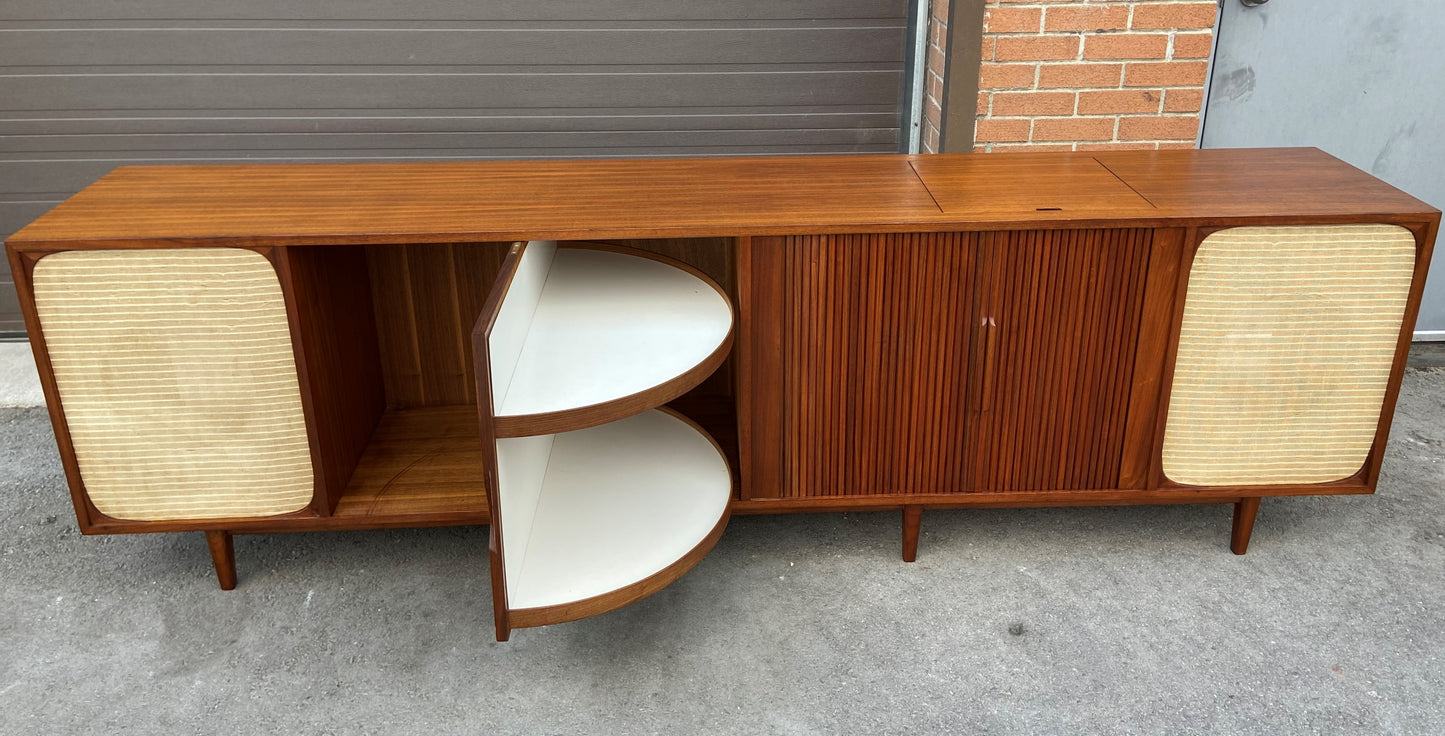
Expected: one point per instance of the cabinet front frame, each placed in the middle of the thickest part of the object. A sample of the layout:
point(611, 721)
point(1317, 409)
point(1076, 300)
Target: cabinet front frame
point(1367, 477)
point(1141, 479)
point(90, 519)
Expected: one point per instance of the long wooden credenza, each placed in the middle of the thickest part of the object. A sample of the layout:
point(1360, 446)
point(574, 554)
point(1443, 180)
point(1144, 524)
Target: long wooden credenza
point(605, 359)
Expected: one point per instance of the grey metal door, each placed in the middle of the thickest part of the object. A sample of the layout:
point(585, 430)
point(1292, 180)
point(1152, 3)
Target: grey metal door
point(1364, 81)
point(88, 85)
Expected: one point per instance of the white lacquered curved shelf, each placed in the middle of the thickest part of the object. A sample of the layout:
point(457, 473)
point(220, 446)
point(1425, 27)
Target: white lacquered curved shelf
point(611, 334)
point(607, 515)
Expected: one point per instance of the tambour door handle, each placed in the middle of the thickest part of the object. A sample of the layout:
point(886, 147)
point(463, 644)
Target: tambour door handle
point(988, 378)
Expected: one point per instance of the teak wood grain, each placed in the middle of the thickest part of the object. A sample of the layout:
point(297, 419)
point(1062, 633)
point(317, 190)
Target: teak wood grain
point(341, 380)
point(762, 291)
point(426, 300)
point(1044, 187)
point(1066, 304)
point(421, 468)
point(1137, 462)
point(874, 358)
point(1425, 234)
point(487, 437)
point(419, 461)
point(913, 332)
point(1285, 184)
point(487, 201)
point(462, 202)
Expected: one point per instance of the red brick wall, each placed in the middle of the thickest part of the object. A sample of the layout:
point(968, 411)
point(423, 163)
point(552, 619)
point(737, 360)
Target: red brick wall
point(933, 78)
point(1083, 74)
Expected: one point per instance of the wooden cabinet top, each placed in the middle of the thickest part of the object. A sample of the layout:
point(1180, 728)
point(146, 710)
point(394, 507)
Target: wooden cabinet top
point(299, 204)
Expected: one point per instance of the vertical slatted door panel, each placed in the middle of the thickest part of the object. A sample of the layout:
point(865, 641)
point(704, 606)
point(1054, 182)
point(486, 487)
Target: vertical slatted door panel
point(178, 381)
point(1066, 305)
point(1285, 351)
point(874, 361)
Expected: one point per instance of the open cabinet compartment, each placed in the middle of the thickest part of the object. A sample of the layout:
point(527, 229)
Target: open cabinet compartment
point(394, 446)
point(388, 375)
point(598, 498)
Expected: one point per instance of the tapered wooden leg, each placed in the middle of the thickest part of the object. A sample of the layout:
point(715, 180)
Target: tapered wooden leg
point(223, 556)
point(1244, 511)
point(912, 519)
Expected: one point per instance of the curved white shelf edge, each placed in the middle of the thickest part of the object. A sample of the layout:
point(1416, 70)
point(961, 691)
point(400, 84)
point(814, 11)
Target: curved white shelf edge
point(594, 510)
point(581, 327)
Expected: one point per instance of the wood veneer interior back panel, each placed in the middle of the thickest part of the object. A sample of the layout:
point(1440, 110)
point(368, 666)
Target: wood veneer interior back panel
point(178, 381)
point(1067, 305)
point(426, 298)
point(342, 372)
point(874, 362)
point(1285, 351)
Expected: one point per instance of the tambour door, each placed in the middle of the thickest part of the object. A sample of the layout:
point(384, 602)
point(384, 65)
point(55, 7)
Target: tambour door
point(854, 363)
point(1056, 319)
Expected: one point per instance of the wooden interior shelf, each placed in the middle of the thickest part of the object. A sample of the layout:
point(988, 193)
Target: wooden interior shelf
point(608, 334)
point(419, 462)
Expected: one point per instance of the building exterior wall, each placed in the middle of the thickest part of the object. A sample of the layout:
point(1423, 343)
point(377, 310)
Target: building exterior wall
point(1062, 75)
point(934, 77)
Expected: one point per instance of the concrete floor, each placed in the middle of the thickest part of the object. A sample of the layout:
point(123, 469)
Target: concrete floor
point(19, 383)
point(1108, 620)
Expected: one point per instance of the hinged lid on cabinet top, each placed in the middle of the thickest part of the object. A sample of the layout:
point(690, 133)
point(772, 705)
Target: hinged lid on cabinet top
point(1028, 187)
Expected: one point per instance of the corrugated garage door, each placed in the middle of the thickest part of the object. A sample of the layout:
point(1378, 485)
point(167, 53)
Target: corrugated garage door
point(88, 85)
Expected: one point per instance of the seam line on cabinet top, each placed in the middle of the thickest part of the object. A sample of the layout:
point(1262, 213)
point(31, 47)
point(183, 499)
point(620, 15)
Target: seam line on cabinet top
point(1125, 182)
point(924, 184)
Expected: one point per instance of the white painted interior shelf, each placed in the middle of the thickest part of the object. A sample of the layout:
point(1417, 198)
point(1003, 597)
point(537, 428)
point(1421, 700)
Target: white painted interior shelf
point(587, 513)
point(603, 326)
point(594, 510)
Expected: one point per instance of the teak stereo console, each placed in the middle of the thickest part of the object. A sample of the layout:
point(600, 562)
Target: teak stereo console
point(605, 359)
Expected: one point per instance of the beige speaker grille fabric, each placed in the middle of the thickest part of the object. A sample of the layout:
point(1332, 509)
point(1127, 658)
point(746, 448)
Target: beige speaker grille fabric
point(177, 380)
point(1285, 353)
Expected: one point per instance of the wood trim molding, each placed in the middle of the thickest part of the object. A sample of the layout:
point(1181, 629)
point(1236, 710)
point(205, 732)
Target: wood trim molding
point(1424, 249)
point(761, 292)
point(481, 356)
point(22, 270)
point(527, 617)
point(1367, 477)
point(90, 519)
point(1150, 364)
point(1036, 499)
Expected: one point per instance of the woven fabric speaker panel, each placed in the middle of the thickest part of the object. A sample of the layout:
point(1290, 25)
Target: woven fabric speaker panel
point(177, 380)
point(1285, 352)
